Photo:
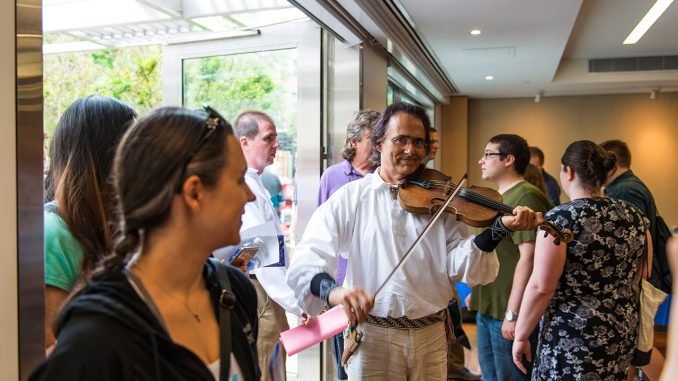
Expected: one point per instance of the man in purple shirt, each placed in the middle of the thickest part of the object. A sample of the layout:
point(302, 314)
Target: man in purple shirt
point(357, 154)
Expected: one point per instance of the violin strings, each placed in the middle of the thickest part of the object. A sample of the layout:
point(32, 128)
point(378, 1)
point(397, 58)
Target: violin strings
point(487, 201)
point(473, 196)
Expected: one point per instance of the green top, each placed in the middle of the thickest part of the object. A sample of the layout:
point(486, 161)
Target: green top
point(63, 253)
point(492, 299)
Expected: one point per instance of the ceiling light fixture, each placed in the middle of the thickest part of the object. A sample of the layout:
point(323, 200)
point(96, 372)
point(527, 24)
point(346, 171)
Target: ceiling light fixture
point(489, 77)
point(537, 98)
point(652, 15)
point(475, 32)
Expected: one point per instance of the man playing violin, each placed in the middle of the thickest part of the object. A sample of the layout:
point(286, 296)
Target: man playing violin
point(504, 162)
point(404, 336)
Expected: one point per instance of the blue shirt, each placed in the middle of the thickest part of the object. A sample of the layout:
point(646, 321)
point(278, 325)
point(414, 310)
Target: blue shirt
point(552, 188)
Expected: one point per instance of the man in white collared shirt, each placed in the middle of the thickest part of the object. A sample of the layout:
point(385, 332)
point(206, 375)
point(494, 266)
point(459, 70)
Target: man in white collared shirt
point(259, 141)
point(364, 221)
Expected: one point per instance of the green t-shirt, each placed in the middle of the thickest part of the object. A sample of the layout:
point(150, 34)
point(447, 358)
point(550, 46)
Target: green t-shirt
point(492, 299)
point(63, 253)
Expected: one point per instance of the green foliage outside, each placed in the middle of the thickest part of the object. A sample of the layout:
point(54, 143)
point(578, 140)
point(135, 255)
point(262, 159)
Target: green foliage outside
point(132, 75)
point(235, 83)
point(231, 83)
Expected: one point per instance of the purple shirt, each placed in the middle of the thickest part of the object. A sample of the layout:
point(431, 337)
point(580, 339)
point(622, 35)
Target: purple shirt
point(332, 179)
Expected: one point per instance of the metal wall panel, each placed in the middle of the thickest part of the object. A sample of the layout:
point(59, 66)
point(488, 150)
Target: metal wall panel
point(29, 138)
point(343, 94)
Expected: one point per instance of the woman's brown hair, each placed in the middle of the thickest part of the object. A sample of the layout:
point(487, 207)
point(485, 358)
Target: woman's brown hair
point(161, 150)
point(81, 159)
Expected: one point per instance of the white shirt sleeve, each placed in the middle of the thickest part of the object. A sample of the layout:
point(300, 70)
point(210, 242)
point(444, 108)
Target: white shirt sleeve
point(466, 262)
point(317, 252)
point(258, 212)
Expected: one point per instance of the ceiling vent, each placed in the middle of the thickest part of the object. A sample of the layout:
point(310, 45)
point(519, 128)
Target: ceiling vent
point(608, 65)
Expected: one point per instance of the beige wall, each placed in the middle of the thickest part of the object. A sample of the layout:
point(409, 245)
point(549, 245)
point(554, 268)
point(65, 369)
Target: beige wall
point(9, 329)
point(650, 127)
point(454, 137)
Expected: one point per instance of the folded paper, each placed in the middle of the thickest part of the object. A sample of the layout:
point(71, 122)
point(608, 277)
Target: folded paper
point(320, 328)
point(271, 247)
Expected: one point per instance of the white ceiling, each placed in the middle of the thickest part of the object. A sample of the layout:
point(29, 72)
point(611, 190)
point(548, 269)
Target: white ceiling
point(79, 25)
point(533, 46)
point(529, 46)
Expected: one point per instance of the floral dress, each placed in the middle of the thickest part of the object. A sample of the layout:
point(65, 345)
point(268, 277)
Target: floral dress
point(590, 328)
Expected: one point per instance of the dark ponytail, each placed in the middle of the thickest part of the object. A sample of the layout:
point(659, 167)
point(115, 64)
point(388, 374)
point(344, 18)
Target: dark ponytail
point(124, 246)
point(150, 161)
point(590, 162)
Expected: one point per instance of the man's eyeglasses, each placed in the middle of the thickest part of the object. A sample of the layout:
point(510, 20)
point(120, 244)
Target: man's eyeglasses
point(488, 155)
point(213, 121)
point(403, 141)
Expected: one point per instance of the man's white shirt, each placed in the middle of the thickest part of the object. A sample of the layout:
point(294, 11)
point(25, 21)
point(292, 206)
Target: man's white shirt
point(364, 223)
point(258, 212)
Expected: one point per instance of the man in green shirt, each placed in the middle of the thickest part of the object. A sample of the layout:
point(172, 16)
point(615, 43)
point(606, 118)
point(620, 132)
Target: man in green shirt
point(503, 163)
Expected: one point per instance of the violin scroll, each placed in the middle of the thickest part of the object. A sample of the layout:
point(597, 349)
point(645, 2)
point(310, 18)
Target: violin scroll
point(560, 234)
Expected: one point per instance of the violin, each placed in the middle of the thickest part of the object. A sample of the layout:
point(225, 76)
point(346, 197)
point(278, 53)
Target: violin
point(426, 190)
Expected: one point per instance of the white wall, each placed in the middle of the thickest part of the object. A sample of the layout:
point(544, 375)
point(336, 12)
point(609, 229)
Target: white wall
point(9, 329)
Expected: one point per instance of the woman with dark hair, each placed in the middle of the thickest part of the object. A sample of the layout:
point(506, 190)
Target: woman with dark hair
point(586, 290)
point(156, 308)
point(534, 176)
point(79, 195)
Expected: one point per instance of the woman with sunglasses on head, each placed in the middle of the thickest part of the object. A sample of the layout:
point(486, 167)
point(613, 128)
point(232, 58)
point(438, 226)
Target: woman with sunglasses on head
point(586, 290)
point(156, 308)
point(79, 195)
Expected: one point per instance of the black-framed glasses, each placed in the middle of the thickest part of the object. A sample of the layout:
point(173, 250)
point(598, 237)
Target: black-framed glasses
point(214, 120)
point(488, 155)
point(403, 141)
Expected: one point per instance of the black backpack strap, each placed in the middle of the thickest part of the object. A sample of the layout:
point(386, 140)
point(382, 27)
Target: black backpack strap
point(226, 304)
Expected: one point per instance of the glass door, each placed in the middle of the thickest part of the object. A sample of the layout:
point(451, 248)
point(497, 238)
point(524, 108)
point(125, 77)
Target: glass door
point(277, 70)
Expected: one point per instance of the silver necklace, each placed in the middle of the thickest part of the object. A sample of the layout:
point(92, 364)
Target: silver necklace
point(195, 313)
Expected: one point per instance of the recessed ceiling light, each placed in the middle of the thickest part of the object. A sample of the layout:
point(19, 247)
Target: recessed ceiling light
point(475, 32)
point(489, 77)
point(650, 17)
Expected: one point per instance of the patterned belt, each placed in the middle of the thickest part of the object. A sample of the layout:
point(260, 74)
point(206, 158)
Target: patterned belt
point(405, 322)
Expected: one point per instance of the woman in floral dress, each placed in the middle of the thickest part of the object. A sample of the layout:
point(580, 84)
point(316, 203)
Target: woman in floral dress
point(586, 290)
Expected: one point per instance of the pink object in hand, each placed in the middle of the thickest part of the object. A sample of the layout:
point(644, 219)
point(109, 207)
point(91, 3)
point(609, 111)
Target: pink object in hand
point(316, 330)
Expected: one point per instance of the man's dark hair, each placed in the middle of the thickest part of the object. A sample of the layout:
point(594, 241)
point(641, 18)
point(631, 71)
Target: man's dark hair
point(620, 150)
point(381, 126)
point(536, 151)
point(510, 144)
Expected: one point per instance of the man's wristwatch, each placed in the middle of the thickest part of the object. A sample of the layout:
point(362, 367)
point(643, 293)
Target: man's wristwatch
point(510, 316)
